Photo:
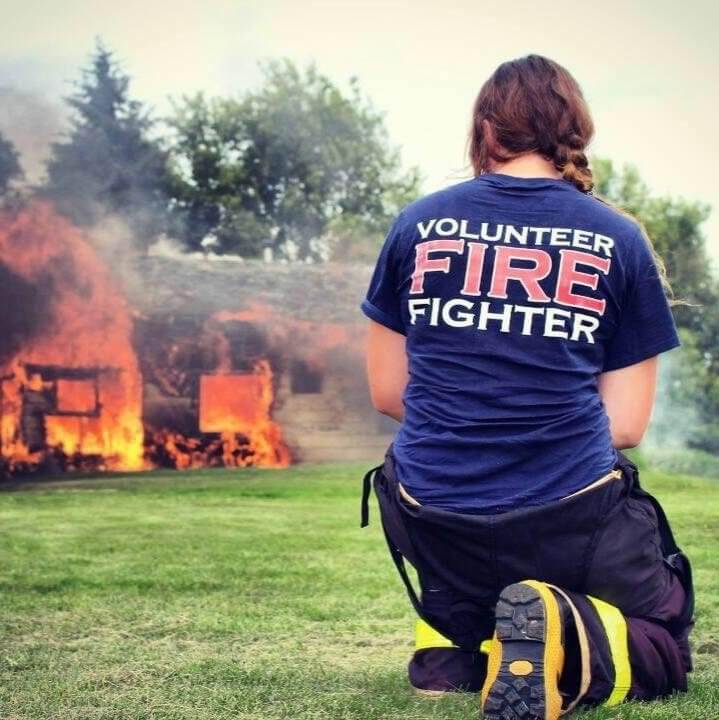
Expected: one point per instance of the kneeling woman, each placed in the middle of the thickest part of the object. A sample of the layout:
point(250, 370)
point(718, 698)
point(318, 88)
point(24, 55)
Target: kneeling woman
point(547, 576)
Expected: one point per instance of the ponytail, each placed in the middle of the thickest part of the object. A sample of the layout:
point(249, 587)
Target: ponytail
point(569, 158)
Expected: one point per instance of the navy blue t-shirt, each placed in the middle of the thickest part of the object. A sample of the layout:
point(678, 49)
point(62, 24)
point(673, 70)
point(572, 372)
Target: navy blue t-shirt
point(513, 294)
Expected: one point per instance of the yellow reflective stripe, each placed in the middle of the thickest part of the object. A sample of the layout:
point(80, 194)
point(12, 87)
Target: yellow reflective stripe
point(427, 637)
point(615, 627)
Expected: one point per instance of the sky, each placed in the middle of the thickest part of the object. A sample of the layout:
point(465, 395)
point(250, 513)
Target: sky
point(647, 69)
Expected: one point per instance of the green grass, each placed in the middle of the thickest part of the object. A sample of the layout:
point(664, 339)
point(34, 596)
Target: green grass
point(682, 460)
point(253, 594)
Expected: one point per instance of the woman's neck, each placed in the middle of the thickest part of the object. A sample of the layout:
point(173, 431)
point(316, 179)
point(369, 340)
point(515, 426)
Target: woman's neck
point(528, 165)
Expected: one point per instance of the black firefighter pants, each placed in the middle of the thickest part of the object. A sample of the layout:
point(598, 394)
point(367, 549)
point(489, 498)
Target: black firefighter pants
point(610, 544)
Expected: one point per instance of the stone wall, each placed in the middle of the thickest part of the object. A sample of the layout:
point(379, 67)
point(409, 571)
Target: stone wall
point(336, 424)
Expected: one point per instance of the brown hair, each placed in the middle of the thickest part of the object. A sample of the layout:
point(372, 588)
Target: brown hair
point(533, 104)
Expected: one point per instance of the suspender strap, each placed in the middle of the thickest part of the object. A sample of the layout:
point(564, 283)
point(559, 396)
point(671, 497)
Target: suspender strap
point(366, 490)
point(397, 557)
point(584, 649)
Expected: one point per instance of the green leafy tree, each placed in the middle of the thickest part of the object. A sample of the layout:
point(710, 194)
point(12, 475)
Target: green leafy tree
point(674, 226)
point(108, 163)
point(9, 165)
point(279, 165)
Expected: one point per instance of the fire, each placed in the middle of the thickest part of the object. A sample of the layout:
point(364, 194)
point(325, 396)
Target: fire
point(72, 386)
point(85, 385)
point(231, 404)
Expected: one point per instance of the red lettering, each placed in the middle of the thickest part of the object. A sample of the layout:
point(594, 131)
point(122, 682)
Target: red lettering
point(473, 273)
point(529, 276)
point(569, 275)
point(423, 264)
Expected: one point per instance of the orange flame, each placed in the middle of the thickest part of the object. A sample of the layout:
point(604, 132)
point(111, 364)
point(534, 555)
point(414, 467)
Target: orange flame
point(88, 328)
point(232, 403)
point(74, 389)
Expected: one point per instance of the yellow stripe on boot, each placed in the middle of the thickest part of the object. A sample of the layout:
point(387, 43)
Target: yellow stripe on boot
point(427, 637)
point(615, 627)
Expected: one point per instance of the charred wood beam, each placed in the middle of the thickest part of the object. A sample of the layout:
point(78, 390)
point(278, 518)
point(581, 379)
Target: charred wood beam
point(63, 372)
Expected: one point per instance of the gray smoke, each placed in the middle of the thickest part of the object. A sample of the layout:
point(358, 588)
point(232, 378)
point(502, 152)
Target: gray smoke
point(31, 123)
point(26, 307)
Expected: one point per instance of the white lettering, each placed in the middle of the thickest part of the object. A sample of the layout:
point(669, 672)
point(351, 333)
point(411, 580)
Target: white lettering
point(529, 314)
point(553, 322)
point(603, 243)
point(416, 309)
point(447, 226)
point(484, 232)
point(520, 235)
point(464, 319)
point(485, 315)
point(584, 324)
point(582, 240)
point(560, 236)
point(464, 232)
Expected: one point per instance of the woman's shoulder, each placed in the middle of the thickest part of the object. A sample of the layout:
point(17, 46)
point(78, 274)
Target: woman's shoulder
point(612, 218)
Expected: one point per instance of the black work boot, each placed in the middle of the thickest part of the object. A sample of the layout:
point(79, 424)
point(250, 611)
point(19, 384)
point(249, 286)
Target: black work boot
point(527, 654)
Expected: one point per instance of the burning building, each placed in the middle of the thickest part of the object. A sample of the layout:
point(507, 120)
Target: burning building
point(182, 364)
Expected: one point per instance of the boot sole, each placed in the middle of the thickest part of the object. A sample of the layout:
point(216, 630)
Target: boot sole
point(431, 694)
point(528, 642)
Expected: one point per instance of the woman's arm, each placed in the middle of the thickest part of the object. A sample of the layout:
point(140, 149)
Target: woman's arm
point(386, 369)
point(628, 396)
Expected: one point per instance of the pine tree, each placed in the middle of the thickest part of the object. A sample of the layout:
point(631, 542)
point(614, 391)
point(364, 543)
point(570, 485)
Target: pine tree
point(108, 163)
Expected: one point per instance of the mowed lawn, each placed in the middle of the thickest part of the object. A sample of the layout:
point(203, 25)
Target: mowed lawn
point(247, 594)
